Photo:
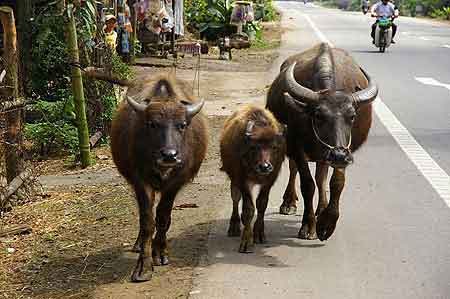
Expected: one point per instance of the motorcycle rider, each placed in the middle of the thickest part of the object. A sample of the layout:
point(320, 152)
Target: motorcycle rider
point(365, 6)
point(385, 9)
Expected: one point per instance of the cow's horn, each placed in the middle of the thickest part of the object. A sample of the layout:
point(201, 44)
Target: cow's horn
point(297, 91)
point(249, 128)
point(193, 109)
point(368, 94)
point(138, 107)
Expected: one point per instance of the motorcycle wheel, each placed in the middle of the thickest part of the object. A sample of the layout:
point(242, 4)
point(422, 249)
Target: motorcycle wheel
point(382, 46)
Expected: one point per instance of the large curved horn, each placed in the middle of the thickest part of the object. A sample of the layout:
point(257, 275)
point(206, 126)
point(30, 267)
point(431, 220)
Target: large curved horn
point(193, 109)
point(249, 128)
point(138, 107)
point(297, 91)
point(368, 94)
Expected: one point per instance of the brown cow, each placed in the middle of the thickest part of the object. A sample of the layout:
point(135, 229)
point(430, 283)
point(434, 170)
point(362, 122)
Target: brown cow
point(252, 148)
point(324, 98)
point(158, 142)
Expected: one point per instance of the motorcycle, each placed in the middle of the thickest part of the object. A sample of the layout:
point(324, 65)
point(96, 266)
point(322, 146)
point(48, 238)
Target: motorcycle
point(383, 34)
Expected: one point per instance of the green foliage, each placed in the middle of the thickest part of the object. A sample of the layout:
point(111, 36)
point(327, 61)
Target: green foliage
point(109, 107)
point(210, 19)
point(49, 71)
point(56, 130)
point(443, 13)
point(261, 42)
point(121, 68)
point(50, 138)
point(51, 126)
point(270, 14)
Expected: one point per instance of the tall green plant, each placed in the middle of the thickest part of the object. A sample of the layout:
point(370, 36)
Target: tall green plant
point(211, 19)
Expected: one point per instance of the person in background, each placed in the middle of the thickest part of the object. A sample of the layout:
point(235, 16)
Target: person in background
point(385, 9)
point(110, 33)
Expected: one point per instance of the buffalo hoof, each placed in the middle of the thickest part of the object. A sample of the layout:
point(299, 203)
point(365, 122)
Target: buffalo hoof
point(136, 248)
point(234, 230)
point(143, 271)
point(307, 233)
point(326, 223)
point(288, 210)
point(258, 233)
point(320, 210)
point(162, 260)
point(246, 247)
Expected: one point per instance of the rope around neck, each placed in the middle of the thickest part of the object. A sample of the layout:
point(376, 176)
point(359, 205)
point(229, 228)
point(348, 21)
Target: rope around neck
point(326, 144)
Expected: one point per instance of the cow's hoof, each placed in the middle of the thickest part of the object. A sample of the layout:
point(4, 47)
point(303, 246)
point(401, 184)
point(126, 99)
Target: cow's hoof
point(258, 233)
point(307, 233)
point(319, 211)
point(161, 260)
point(260, 238)
point(246, 247)
point(143, 271)
point(288, 210)
point(326, 223)
point(136, 248)
point(234, 230)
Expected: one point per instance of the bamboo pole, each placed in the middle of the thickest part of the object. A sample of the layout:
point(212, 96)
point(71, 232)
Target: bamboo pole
point(77, 88)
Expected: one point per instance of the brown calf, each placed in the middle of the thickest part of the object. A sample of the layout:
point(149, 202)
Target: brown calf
point(158, 144)
point(252, 148)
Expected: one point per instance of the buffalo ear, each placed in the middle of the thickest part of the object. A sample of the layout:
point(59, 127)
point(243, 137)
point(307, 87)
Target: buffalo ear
point(294, 104)
point(284, 131)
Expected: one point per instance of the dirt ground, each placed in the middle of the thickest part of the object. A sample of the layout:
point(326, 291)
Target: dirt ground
point(85, 222)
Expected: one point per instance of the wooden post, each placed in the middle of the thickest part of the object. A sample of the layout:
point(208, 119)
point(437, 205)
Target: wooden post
point(14, 116)
point(77, 88)
point(172, 36)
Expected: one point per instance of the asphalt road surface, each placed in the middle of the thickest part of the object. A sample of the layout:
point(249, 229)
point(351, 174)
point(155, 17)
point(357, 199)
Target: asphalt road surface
point(393, 237)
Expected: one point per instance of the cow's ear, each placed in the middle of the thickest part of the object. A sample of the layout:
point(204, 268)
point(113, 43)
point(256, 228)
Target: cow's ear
point(285, 130)
point(294, 104)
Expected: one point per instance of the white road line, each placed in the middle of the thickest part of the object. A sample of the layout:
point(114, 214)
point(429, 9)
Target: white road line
point(424, 38)
point(317, 31)
point(446, 46)
point(432, 82)
point(435, 175)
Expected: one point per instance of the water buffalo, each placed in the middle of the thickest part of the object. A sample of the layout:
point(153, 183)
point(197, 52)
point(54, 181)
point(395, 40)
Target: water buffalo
point(324, 98)
point(158, 142)
point(252, 148)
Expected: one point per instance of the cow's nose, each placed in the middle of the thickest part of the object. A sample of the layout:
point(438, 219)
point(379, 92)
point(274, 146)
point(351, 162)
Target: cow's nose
point(265, 168)
point(340, 156)
point(169, 155)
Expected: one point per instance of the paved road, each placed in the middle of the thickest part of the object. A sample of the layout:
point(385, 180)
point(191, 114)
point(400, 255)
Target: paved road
point(393, 237)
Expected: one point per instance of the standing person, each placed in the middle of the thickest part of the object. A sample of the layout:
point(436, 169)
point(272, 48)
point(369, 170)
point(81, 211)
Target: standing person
point(385, 9)
point(110, 33)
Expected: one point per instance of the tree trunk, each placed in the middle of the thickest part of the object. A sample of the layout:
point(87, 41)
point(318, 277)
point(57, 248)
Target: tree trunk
point(13, 117)
point(77, 88)
point(24, 14)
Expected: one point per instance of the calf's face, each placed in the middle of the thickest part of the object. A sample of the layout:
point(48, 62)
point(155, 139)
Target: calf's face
point(263, 146)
